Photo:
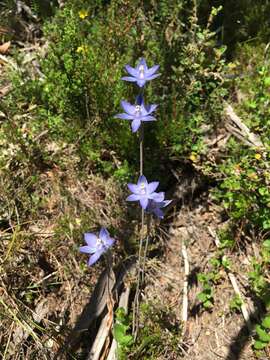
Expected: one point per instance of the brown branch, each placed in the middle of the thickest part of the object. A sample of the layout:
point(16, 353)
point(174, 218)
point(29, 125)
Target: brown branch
point(239, 129)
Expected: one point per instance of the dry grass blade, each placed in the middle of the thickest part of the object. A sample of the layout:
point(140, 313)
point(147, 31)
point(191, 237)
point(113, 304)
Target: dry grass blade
point(185, 285)
point(8, 341)
point(23, 325)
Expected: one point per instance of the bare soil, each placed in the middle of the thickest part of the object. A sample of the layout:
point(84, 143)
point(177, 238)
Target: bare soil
point(219, 333)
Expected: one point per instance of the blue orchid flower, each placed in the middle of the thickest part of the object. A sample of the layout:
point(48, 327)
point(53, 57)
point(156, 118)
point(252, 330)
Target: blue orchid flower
point(141, 73)
point(144, 191)
point(96, 245)
point(137, 113)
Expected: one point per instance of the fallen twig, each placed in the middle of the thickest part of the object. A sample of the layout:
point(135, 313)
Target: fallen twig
point(240, 130)
point(185, 286)
point(243, 305)
point(97, 303)
point(100, 339)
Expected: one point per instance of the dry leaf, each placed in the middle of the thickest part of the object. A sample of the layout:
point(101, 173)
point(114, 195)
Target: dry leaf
point(4, 47)
point(4, 90)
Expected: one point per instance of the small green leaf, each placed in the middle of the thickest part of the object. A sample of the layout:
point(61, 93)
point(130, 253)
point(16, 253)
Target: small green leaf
point(226, 263)
point(266, 244)
point(262, 334)
point(126, 340)
point(202, 297)
point(259, 345)
point(252, 104)
point(121, 315)
point(263, 191)
point(267, 81)
point(215, 262)
point(208, 304)
point(266, 224)
point(266, 322)
point(119, 332)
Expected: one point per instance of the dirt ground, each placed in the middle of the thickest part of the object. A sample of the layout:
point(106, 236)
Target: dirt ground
point(209, 335)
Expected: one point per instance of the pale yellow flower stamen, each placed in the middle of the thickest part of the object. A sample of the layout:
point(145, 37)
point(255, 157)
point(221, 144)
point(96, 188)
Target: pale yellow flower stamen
point(142, 186)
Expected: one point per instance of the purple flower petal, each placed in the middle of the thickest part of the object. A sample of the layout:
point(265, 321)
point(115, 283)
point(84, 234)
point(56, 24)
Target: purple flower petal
point(152, 77)
point(144, 202)
point(136, 123)
point(134, 188)
point(104, 235)
point(166, 203)
point(90, 239)
point(129, 109)
point(129, 78)
point(94, 258)
point(133, 197)
point(142, 179)
point(152, 70)
point(151, 108)
point(124, 116)
point(158, 197)
point(140, 83)
point(143, 109)
point(159, 213)
point(149, 118)
point(87, 249)
point(110, 242)
point(132, 71)
point(152, 186)
point(142, 62)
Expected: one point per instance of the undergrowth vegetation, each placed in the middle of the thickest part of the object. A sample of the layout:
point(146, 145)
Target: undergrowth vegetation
point(245, 176)
point(64, 157)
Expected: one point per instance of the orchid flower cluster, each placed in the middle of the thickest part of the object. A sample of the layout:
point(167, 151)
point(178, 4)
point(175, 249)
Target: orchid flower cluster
point(145, 192)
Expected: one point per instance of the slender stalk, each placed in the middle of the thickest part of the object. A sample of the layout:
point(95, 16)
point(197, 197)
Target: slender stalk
point(141, 149)
point(148, 222)
point(136, 307)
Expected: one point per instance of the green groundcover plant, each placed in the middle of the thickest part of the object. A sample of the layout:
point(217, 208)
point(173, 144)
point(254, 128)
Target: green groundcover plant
point(79, 92)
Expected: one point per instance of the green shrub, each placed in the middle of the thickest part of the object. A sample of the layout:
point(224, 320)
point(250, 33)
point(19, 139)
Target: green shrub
point(89, 44)
point(244, 175)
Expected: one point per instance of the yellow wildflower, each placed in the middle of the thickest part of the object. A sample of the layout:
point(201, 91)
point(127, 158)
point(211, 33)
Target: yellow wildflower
point(83, 14)
point(82, 49)
point(258, 156)
point(193, 157)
